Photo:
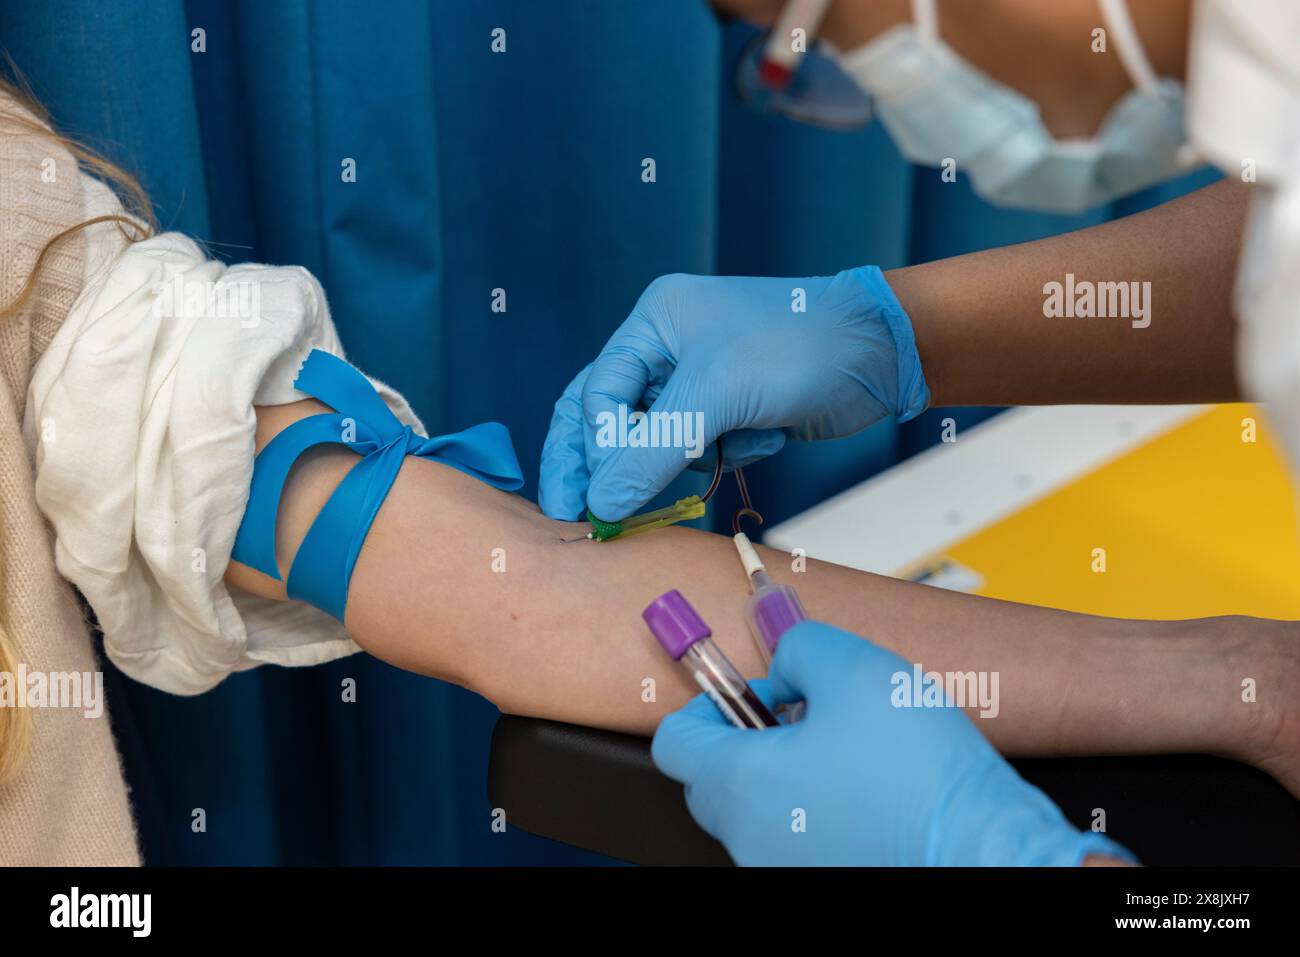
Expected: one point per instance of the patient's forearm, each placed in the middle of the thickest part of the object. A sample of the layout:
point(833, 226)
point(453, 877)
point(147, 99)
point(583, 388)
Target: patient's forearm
point(473, 585)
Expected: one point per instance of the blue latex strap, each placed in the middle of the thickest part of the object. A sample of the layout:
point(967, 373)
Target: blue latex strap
point(361, 421)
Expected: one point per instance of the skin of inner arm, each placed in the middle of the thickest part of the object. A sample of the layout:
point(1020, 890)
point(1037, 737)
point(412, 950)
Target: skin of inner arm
point(558, 633)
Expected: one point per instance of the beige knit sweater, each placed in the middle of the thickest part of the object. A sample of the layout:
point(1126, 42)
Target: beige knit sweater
point(68, 804)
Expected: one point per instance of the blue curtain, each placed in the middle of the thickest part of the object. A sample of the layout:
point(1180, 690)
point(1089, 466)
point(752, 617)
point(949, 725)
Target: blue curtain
point(475, 171)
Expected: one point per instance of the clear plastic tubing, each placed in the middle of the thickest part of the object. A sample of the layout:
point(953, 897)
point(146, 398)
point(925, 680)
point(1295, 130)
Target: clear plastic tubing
point(772, 609)
point(686, 638)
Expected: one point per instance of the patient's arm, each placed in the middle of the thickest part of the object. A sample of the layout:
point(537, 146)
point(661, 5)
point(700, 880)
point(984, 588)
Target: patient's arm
point(558, 633)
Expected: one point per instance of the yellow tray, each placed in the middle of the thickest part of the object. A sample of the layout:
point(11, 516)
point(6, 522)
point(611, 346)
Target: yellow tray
point(1196, 522)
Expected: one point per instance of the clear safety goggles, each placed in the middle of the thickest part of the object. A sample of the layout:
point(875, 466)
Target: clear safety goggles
point(820, 93)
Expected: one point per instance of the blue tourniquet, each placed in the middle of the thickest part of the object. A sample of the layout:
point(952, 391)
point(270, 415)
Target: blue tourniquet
point(361, 421)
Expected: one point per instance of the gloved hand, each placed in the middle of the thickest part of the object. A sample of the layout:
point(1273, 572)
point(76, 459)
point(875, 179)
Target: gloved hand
point(859, 781)
point(739, 352)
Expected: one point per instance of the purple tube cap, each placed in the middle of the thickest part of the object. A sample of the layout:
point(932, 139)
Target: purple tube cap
point(776, 613)
point(675, 623)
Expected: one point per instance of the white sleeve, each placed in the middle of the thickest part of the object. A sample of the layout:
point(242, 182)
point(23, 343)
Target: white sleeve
point(1243, 114)
point(140, 420)
point(1243, 86)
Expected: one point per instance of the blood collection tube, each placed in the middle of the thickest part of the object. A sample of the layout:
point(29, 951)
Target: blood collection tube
point(686, 638)
point(773, 609)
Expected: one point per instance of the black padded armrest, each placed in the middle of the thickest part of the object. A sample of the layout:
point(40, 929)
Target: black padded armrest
point(593, 789)
point(600, 791)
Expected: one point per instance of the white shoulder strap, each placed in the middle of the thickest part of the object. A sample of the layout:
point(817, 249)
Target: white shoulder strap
point(1119, 25)
point(925, 17)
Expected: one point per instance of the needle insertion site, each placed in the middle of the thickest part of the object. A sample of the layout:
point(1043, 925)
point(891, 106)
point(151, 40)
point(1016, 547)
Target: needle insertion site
point(683, 510)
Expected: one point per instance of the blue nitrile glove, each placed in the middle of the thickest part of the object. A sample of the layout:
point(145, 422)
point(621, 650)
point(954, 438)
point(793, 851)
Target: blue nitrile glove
point(757, 360)
point(858, 780)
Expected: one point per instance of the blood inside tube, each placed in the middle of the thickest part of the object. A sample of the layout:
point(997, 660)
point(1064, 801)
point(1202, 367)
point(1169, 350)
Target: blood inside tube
point(755, 707)
point(728, 690)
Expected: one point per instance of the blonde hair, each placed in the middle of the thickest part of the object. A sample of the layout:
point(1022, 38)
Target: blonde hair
point(22, 115)
point(15, 725)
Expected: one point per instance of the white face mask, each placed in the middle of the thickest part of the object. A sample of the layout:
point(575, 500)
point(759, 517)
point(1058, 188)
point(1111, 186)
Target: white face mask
point(939, 107)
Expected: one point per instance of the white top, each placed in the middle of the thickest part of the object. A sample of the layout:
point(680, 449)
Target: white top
point(1243, 85)
point(1243, 114)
